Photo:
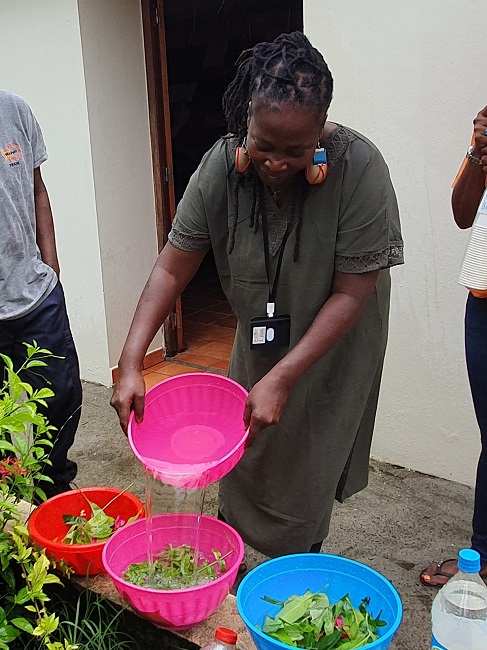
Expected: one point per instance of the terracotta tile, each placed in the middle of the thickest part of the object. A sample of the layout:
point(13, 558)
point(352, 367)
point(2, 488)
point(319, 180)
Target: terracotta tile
point(228, 321)
point(217, 349)
point(151, 358)
point(217, 294)
point(223, 364)
point(177, 369)
point(218, 333)
point(194, 331)
point(152, 378)
point(200, 302)
point(204, 317)
point(195, 345)
point(223, 307)
point(159, 366)
point(217, 371)
point(200, 359)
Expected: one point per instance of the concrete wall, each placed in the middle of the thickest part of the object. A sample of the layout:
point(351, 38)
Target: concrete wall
point(43, 63)
point(407, 76)
point(81, 67)
point(114, 69)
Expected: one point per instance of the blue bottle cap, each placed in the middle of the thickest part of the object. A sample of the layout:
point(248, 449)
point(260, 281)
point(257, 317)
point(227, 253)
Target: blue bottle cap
point(469, 560)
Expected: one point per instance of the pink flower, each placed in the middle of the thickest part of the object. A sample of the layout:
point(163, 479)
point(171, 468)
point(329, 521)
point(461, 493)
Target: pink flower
point(119, 522)
point(339, 625)
point(11, 466)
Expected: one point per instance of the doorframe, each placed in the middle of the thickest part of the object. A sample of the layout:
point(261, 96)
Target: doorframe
point(160, 135)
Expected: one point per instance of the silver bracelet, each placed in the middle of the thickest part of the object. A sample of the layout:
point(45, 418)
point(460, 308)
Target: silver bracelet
point(471, 158)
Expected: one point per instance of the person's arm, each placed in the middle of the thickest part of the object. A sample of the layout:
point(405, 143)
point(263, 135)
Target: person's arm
point(172, 271)
point(45, 236)
point(268, 397)
point(470, 184)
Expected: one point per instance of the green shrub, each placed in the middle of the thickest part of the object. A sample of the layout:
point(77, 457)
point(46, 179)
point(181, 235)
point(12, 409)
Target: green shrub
point(25, 440)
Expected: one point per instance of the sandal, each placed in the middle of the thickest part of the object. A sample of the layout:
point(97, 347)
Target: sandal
point(437, 574)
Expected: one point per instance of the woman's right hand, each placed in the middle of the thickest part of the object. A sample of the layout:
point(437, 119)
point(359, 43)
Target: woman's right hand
point(128, 395)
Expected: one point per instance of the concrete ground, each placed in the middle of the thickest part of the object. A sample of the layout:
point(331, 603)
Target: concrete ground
point(398, 525)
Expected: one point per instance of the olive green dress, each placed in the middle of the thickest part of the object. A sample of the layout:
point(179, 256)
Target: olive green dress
point(280, 496)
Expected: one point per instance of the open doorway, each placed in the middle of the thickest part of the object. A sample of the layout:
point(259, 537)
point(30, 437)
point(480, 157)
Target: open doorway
point(203, 38)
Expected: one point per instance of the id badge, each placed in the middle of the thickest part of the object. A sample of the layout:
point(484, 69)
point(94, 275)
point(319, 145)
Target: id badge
point(270, 332)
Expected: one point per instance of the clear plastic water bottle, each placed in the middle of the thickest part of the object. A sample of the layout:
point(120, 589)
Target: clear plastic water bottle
point(459, 612)
point(225, 639)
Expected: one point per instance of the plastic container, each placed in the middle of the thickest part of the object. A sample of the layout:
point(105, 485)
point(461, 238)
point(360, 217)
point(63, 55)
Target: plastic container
point(179, 608)
point(459, 612)
point(193, 432)
point(225, 639)
point(294, 574)
point(47, 528)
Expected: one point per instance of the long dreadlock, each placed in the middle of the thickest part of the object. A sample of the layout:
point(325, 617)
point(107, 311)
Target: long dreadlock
point(287, 70)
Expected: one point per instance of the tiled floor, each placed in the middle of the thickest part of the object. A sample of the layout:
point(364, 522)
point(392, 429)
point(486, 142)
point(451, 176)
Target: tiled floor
point(209, 330)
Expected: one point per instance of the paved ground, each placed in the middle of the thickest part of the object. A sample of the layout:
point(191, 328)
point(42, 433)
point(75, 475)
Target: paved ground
point(400, 523)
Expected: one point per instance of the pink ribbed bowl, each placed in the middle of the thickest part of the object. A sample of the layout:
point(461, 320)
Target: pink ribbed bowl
point(179, 608)
point(193, 432)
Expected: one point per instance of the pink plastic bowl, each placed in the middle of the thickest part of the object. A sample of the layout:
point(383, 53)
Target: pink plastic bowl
point(181, 608)
point(193, 432)
point(47, 528)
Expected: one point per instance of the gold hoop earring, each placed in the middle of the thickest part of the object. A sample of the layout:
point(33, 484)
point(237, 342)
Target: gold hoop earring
point(317, 171)
point(242, 158)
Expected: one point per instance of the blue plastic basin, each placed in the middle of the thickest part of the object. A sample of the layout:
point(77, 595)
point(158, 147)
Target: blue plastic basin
point(294, 574)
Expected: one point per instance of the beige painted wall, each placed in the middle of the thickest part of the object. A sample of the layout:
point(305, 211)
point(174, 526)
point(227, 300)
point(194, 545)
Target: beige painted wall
point(407, 76)
point(46, 68)
point(81, 67)
point(114, 69)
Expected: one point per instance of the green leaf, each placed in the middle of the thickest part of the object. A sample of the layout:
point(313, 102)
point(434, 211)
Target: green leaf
point(7, 446)
point(23, 624)
point(271, 625)
point(291, 612)
point(283, 637)
point(329, 642)
point(43, 393)
point(7, 361)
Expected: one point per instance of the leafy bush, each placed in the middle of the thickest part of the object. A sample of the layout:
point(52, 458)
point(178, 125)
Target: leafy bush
point(25, 439)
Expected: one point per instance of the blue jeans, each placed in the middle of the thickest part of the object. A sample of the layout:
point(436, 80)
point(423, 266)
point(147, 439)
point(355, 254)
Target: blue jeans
point(476, 355)
point(48, 325)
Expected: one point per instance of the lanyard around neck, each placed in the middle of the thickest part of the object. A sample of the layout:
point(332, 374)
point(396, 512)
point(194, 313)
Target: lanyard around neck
point(275, 283)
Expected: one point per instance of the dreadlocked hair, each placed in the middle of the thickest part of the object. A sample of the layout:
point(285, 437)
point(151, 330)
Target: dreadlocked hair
point(287, 70)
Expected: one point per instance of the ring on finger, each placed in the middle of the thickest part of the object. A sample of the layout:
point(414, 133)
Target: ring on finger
point(485, 132)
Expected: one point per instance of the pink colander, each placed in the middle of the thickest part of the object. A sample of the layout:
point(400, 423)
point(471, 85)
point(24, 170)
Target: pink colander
point(179, 608)
point(193, 431)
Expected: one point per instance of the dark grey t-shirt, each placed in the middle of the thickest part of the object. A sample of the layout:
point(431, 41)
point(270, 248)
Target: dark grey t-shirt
point(24, 278)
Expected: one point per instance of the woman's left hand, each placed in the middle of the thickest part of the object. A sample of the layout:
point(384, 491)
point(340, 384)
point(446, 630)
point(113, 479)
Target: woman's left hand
point(264, 405)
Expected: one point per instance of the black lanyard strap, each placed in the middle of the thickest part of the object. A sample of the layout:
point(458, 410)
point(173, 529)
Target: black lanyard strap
point(275, 282)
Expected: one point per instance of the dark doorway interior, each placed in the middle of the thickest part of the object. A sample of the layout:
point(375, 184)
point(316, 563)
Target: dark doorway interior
point(203, 40)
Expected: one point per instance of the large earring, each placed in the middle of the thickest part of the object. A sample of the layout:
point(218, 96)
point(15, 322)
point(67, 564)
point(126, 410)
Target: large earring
point(242, 158)
point(317, 171)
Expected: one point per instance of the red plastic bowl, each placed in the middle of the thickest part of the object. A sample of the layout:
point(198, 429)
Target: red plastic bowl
point(47, 528)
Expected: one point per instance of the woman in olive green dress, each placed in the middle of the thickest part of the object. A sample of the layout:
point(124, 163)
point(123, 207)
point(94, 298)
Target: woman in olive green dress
point(303, 222)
